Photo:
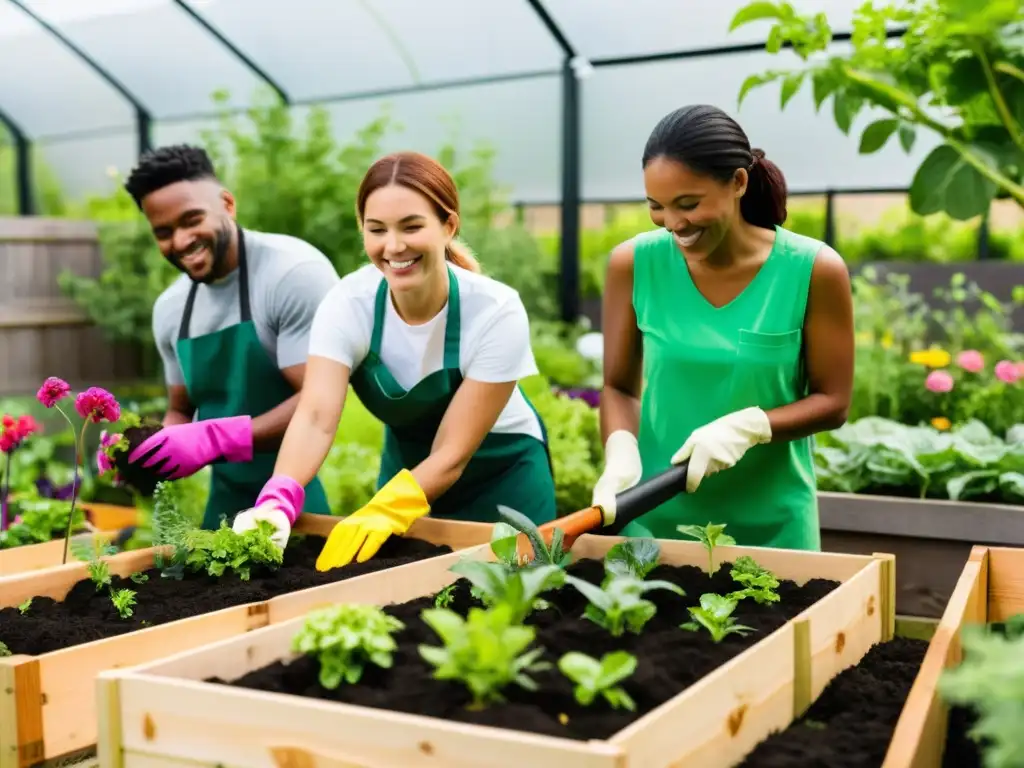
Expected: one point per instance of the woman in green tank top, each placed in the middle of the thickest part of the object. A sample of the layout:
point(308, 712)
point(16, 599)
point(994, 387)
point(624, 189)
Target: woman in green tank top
point(728, 342)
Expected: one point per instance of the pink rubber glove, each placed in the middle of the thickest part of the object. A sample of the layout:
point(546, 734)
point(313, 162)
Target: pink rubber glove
point(279, 503)
point(183, 449)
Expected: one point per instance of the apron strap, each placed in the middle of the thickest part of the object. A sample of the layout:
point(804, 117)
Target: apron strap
point(452, 329)
point(244, 308)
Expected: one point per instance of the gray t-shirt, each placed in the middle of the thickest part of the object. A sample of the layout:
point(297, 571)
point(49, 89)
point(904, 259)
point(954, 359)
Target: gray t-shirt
point(288, 278)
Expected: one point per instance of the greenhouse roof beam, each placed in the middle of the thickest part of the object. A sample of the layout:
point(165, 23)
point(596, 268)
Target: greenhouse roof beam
point(22, 165)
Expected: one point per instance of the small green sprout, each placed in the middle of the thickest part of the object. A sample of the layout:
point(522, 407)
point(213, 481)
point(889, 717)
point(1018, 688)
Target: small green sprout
point(710, 536)
point(594, 678)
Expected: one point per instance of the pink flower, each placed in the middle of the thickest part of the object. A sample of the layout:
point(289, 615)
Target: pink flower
point(97, 404)
point(939, 381)
point(971, 360)
point(1008, 372)
point(7, 442)
point(27, 425)
point(103, 462)
point(53, 391)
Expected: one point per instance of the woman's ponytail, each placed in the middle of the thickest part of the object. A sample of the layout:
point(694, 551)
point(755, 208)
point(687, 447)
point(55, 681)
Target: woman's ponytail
point(764, 203)
point(461, 255)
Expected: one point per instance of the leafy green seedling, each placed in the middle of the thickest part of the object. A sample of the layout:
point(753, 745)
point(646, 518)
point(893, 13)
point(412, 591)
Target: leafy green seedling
point(123, 600)
point(543, 554)
point(139, 577)
point(715, 615)
point(495, 584)
point(170, 529)
point(504, 542)
point(23, 608)
point(345, 638)
point(486, 652)
point(632, 557)
point(757, 582)
point(619, 605)
point(593, 677)
point(710, 536)
point(444, 598)
point(217, 551)
point(4, 650)
point(91, 552)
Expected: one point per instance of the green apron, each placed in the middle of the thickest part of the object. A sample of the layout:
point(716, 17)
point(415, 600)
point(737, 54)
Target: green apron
point(509, 469)
point(228, 373)
point(701, 363)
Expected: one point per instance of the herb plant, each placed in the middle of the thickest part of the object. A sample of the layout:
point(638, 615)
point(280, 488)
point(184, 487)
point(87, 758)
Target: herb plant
point(758, 583)
point(218, 551)
point(444, 598)
point(345, 638)
point(497, 584)
point(23, 608)
point(710, 536)
point(595, 678)
point(4, 650)
point(543, 553)
point(715, 615)
point(39, 521)
point(486, 652)
point(90, 553)
point(619, 604)
point(170, 529)
point(123, 600)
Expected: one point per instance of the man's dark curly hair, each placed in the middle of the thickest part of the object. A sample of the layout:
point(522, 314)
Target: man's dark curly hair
point(158, 168)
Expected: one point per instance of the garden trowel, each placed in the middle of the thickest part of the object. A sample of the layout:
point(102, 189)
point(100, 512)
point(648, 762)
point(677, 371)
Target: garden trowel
point(629, 505)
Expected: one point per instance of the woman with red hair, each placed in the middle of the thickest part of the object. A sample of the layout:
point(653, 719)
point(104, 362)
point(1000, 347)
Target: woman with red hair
point(433, 349)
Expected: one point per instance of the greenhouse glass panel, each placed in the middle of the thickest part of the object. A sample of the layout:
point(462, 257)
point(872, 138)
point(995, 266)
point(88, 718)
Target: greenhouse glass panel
point(83, 167)
point(617, 28)
point(46, 88)
point(160, 54)
point(811, 151)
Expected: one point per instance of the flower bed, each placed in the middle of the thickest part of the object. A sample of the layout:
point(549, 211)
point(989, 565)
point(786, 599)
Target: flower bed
point(694, 700)
point(72, 630)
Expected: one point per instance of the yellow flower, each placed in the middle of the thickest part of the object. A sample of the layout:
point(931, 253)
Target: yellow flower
point(887, 340)
point(941, 423)
point(933, 358)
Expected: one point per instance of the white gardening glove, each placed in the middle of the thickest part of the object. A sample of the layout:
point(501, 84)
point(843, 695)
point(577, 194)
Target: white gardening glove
point(720, 444)
point(622, 470)
point(271, 513)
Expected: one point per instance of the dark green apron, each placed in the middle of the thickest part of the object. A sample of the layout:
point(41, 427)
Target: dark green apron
point(228, 373)
point(509, 469)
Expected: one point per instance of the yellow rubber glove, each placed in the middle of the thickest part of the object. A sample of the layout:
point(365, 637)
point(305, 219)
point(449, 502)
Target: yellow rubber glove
point(392, 510)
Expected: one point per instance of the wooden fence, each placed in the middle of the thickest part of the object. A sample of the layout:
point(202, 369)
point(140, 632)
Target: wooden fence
point(43, 332)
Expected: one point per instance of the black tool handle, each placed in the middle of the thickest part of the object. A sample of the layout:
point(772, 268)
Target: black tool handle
point(641, 499)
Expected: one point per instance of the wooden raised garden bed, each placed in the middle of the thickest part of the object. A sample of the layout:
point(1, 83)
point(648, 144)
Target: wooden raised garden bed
point(34, 557)
point(930, 538)
point(698, 702)
point(47, 688)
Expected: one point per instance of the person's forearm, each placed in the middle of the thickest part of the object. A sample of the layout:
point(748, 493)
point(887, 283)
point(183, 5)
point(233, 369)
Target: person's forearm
point(173, 418)
point(268, 429)
point(619, 410)
point(815, 413)
point(306, 443)
point(437, 473)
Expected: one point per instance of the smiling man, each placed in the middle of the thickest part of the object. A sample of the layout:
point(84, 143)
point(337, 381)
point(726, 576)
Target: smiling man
point(232, 332)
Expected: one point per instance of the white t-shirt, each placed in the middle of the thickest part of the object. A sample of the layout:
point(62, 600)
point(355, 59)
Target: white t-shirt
point(494, 344)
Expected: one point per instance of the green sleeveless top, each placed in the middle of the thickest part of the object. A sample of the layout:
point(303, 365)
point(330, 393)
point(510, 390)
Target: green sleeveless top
point(702, 362)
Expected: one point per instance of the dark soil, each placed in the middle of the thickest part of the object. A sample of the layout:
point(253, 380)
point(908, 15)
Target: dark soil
point(851, 724)
point(961, 750)
point(86, 615)
point(670, 659)
point(134, 475)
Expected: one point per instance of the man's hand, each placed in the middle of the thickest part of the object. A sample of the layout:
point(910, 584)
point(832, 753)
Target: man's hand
point(181, 450)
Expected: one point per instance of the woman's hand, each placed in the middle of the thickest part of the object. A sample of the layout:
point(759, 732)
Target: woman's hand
point(721, 443)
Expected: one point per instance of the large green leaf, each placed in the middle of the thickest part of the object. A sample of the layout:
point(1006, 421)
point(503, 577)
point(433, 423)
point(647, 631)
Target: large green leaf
point(945, 182)
point(876, 134)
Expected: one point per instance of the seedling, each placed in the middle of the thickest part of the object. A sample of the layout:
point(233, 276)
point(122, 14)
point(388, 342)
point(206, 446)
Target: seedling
point(715, 615)
point(758, 583)
point(23, 608)
point(4, 650)
point(123, 600)
point(139, 577)
point(710, 536)
point(594, 678)
point(619, 605)
point(345, 638)
point(632, 557)
point(217, 551)
point(486, 652)
point(543, 554)
point(91, 553)
point(170, 528)
point(496, 584)
point(444, 598)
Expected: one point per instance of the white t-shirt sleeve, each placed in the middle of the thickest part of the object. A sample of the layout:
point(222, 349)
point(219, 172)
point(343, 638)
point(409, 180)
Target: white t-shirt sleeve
point(341, 331)
point(502, 351)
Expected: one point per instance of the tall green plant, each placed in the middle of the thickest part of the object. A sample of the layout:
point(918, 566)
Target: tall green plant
point(957, 71)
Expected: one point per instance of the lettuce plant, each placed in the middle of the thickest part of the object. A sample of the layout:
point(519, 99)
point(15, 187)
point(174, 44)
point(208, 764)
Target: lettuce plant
point(346, 638)
point(4, 650)
point(715, 615)
point(595, 677)
point(632, 557)
point(486, 652)
point(619, 604)
point(710, 536)
point(497, 584)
